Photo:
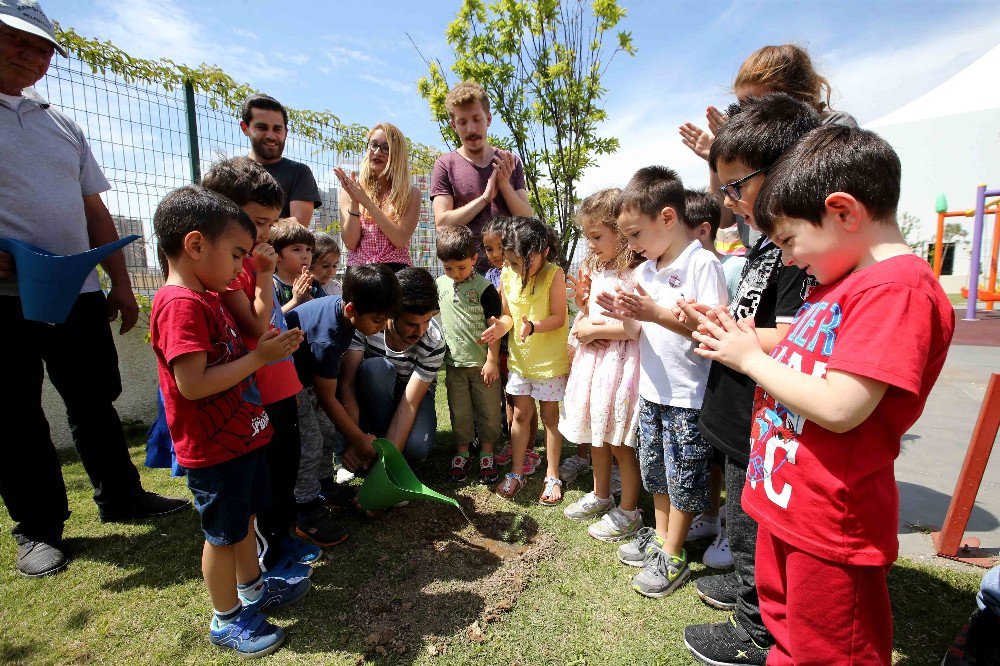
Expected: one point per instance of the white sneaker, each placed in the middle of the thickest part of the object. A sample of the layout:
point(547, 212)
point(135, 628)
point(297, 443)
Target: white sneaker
point(573, 467)
point(343, 476)
point(588, 507)
point(702, 526)
point(616, 482)
point(718, 555)
point(616, 526)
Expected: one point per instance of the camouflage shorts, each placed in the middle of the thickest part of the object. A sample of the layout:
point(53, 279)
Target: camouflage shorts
point(673, 456)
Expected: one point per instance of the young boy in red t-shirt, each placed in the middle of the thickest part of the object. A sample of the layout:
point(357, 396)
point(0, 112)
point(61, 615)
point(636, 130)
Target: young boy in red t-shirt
point(834, 397)
point(213, 408)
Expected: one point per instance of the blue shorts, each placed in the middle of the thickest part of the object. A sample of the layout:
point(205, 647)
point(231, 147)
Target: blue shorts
point(673, 456)
point(227, 494)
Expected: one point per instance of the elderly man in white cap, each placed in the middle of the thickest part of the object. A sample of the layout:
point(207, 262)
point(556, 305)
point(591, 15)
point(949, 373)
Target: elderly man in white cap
point(52, 187)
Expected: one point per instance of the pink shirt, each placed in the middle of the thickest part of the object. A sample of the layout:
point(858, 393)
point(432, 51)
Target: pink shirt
point(375, 247)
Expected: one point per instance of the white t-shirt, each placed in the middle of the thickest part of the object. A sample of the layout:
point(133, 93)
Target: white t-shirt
point(671, 373)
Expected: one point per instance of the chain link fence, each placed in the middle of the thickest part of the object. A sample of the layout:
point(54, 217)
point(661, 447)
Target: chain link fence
point(141, 135)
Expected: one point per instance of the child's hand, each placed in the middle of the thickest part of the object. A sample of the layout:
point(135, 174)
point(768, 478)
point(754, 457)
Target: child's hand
point(639, 306)
point(302, 286)
point(607, 302)
point(490, 373)
point(728, 341)
point(264, 258)
point(581, 288)
point(494, 333)
point(359, 453)
point(690, 313)
point(697, 139)
point(527, 328)
point(274, 346)
point(716, 119)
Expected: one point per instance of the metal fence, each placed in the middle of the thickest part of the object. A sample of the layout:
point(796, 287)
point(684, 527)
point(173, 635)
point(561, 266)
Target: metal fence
point(141, 136)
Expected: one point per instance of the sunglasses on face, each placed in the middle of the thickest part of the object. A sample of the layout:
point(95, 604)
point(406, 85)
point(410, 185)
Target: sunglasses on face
point(734, 191)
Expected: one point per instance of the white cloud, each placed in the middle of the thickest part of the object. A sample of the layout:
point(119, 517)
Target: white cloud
point(395, 86)
point(294, 58)
point(341, 55)
point(240, 32)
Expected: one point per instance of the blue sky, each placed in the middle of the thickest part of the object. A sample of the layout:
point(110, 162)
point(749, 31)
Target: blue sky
point(356, 60)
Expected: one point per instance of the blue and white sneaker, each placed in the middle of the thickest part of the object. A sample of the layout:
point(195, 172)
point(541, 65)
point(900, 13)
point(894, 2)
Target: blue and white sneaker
point(249, 634)
point(297, 550)
point(279, 593)
point(288, 570)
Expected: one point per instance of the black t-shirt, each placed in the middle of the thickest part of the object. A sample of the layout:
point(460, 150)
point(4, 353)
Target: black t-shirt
point(297, 180)
point(769, 292)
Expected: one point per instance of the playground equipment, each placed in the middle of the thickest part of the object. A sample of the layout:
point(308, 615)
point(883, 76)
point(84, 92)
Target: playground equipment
point(391, 481)
point(48, 283)
point(974, 292)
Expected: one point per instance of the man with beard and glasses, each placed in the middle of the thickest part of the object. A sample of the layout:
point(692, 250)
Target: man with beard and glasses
point(476, 182)
point(265, 123)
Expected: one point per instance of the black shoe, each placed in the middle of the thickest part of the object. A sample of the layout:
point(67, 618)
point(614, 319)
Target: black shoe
point(37, 558)
point(977, 642)
point(318, 526)
point(146, 505)
point(339, 497)
point(724, 644)
point(718, 591)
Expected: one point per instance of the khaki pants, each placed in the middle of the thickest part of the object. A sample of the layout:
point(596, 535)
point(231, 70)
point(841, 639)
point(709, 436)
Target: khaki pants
point(474, 407)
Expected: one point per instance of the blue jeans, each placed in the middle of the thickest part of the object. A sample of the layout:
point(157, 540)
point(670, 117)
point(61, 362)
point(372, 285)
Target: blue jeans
point(989, 591)
point(379, 389)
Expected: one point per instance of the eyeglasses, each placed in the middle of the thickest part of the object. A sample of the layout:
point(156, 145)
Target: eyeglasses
point(379, 147)
point(733, 191)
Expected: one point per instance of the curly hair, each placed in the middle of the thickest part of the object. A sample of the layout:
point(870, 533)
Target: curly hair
point(599, 209)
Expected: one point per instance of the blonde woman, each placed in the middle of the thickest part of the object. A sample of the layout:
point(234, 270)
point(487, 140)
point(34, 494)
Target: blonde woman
point(379, 211)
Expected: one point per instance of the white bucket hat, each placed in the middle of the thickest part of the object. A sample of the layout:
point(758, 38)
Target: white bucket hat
point(27, 16)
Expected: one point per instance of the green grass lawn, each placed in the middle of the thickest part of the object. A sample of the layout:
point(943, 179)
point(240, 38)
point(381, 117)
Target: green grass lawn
point(410, 587)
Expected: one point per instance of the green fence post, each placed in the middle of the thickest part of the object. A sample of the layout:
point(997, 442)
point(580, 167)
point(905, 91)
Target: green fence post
point(192, 119)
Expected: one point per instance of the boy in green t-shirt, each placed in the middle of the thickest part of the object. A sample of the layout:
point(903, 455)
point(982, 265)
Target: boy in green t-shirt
point(472, 376)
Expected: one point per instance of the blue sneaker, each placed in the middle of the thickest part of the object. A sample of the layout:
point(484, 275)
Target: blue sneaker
point(289, 570)
point(279, 593)
point(298, 550)
point(250, 634)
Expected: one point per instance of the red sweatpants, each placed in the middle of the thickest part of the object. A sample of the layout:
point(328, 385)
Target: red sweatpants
point(821, 612)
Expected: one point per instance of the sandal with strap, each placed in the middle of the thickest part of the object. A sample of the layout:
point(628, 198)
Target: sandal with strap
point(512, 483)
point(546, 498)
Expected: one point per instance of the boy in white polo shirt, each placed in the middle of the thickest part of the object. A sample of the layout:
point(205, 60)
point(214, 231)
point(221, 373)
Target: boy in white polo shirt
point(673, 456)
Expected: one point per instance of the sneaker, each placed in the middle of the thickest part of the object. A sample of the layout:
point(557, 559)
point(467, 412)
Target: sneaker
point(588, 507)
point(250, 634)
point(616, 483)
point(616, 526)
point(146, 505)
point(459, 470)
point(977, 642)
point(573, 467)
point(488, 473)
point(502, 455)
point(512, 484)
point(279, 593)
point(340, 497)
point(320, 527)
point(702, 526)
point(723, 644)
point(718, 555)
point(722, 514)
point(718, 591)
point(661, 574)
point(634, 552)
point(288, 569)
point(297, 550)
point(38, 558)
point(531, 462)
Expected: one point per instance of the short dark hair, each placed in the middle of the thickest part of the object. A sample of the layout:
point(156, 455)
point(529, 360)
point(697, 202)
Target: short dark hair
point(193, 208)
point(701, 207)
point(244, 181)
point(496, 226)
point(265, 102)
point(832, 158)
point(456, 243)
point(650, 190)
point(372, 289)
point(289, 232)
point(420, 294)
point(325, 244)
point(760, 129)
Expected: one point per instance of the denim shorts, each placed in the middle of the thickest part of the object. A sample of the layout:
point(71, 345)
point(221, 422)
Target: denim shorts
point(227, 494)
point(673, 456)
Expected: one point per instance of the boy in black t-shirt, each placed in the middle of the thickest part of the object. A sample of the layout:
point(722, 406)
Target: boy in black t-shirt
point(769, 293)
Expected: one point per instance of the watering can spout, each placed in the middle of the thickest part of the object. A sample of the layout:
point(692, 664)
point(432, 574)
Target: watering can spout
point(391, 481)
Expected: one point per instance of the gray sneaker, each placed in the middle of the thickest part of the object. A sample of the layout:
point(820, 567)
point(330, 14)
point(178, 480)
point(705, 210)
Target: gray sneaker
point(615, 526)
point(38, 558)
point(588, 507)
point(634, 552)
point(573, 467)
point(661, 574)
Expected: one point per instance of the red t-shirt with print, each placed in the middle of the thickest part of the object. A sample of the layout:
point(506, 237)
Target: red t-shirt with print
point(221, 426)
point(834, 495)
point(277, 380)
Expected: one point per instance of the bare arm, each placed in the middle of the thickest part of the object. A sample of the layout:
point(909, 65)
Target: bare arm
point(557, 305)
point(252, 318)
point(445, 213)
point(101, 230)
point(349, 365)
point(359, 452)
point(301, 212)
point(350, 224)
point(516, 200)
point(406, 411)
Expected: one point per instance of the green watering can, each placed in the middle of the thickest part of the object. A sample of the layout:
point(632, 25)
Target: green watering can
point(391, 481)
